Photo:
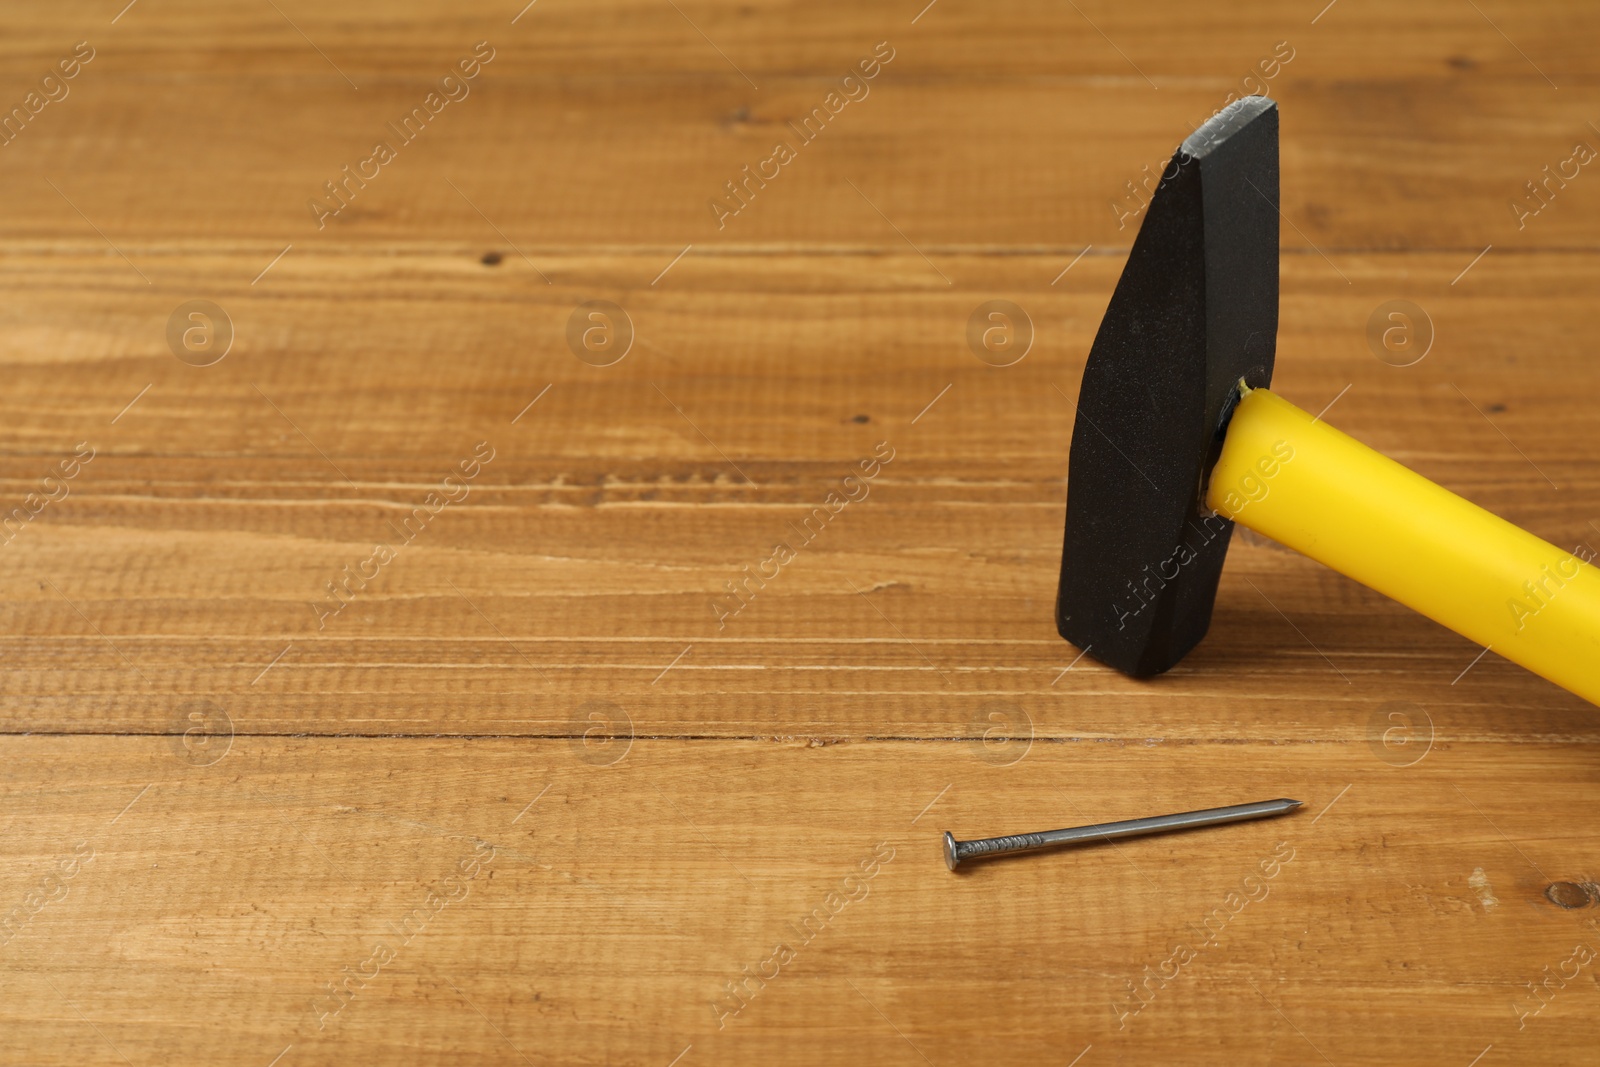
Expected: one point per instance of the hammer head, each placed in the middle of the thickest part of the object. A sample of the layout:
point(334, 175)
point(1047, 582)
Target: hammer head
point(1195, 311)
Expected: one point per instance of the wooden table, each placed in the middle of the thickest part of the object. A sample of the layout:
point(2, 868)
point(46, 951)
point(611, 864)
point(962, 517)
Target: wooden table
point(372, 687)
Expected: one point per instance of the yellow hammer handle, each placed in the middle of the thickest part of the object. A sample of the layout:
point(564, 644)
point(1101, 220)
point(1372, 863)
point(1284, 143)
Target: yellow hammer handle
point(1304, 484)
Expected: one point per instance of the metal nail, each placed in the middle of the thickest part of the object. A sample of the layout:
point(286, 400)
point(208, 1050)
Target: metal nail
point(957, 852)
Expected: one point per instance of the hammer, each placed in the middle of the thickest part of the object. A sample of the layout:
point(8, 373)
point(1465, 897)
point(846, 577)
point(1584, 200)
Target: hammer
point(1177, 438)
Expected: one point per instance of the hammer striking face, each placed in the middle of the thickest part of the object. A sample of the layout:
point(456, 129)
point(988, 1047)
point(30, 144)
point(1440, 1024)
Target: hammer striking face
point(1196, 310)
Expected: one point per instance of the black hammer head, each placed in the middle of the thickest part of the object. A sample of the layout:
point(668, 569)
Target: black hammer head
point(1195, 311)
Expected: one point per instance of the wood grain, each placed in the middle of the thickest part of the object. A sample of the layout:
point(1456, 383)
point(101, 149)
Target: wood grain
point(267, 791)
point(610, 915)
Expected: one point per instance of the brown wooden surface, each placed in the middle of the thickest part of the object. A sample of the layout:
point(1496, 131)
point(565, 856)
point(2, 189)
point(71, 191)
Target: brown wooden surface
point(539, 677)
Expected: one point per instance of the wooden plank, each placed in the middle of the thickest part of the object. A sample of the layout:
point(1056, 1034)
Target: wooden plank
point(196, 547)
point(611, 904)
point(614, 125)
